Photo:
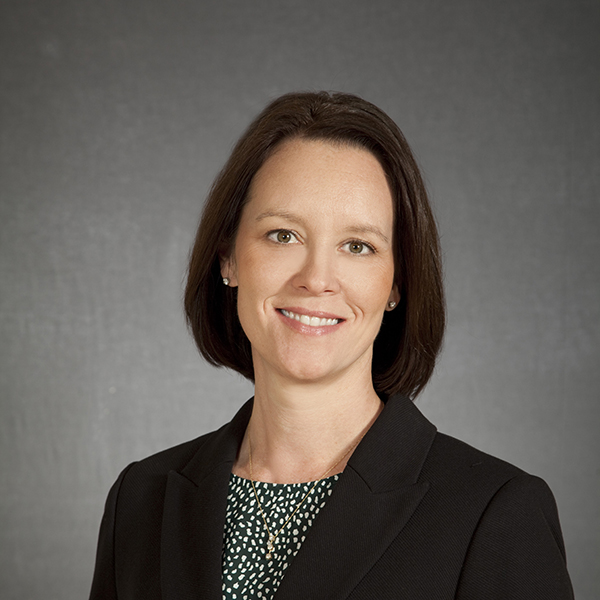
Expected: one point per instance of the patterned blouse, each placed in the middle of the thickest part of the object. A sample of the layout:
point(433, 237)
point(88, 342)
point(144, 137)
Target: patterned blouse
point(247, 572)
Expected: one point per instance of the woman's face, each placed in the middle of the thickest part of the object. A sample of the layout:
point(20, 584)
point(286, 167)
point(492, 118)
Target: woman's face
point(313, 261)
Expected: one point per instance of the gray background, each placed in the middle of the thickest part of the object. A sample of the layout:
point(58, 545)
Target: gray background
point(117, 115)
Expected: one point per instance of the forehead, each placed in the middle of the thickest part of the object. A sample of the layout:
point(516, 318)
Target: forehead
point(324, 177)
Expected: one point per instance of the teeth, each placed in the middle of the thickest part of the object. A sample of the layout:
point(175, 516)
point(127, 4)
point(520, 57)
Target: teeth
point(310, 321)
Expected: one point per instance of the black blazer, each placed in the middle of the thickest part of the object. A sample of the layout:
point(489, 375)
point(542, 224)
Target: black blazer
point(416, 515)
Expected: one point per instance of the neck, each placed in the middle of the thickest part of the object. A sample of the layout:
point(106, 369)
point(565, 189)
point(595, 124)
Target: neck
point(303, 432)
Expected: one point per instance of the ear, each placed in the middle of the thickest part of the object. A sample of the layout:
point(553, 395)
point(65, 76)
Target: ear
point(228, 269)
point(394, 299)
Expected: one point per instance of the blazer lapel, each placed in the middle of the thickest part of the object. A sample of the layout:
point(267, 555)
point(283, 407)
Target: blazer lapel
point(194, 514)
point(373, 500)
point(371, 503)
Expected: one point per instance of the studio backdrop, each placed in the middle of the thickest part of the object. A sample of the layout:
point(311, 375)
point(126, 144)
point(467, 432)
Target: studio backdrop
point(115, 118)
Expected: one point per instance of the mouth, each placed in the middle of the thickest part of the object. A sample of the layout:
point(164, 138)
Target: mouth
point(310, 320)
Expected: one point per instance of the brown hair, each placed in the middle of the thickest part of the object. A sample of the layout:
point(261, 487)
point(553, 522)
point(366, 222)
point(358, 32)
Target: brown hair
point(410, 337)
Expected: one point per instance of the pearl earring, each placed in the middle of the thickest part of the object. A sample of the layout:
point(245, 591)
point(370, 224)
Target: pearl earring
point(226, 280)
point(391, 304)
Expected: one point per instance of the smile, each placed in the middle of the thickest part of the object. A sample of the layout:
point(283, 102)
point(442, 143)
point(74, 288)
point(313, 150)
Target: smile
point(308, 320)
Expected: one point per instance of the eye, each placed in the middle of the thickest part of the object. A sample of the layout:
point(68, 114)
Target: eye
point(358, 247)
point(283, 236)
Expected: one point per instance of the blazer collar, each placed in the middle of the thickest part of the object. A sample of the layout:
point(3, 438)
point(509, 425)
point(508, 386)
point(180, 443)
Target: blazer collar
point(394, 449)
point(221, 447)
point(372, 501)
point(370, 504)
point(194, 516)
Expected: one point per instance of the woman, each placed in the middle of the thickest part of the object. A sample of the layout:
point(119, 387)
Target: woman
point(316, 273)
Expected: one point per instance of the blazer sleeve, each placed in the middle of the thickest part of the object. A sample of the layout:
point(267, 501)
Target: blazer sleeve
point(104, 581)
point(517, 550)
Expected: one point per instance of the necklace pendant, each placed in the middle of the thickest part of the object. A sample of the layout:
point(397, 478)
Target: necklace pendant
point(270, 547)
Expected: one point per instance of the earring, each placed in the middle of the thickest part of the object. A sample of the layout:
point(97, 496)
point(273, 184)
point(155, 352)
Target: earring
point(391, 304)
point(226, 280)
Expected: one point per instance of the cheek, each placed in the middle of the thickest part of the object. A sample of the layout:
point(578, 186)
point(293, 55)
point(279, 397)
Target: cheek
point(371, 284)
point(264, 268)
point(259, 277)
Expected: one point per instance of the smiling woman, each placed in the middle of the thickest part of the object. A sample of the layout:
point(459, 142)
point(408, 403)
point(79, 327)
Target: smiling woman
point(316, 273)
point(410, 337)
point(297, 263)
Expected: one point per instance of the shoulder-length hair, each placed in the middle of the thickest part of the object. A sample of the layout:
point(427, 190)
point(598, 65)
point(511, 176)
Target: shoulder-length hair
point(410, 337)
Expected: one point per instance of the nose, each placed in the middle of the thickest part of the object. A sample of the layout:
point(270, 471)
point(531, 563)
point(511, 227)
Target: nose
point(317, 273)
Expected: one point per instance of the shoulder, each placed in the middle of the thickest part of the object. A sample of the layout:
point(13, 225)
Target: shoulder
point(472, 480)
point(174, 458)
point(147, 477)
point(470, 487)
point(499, 520)
point(514, 548)
point(450, 458)
point(193, 460)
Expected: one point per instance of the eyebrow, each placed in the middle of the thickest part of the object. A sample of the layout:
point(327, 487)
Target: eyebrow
point(361, 229)
point(357, 229)
point(280, 213)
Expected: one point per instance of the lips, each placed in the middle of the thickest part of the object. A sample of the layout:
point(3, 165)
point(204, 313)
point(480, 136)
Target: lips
point(310, 320)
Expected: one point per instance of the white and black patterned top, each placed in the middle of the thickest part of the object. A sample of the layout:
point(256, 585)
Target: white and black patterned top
point(247, 573)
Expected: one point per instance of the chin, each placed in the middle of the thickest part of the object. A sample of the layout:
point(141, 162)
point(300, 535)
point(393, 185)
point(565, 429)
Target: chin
point(313, 371)
point(315, 375)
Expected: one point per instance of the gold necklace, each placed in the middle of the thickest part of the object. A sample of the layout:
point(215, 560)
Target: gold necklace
point(273, 537)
